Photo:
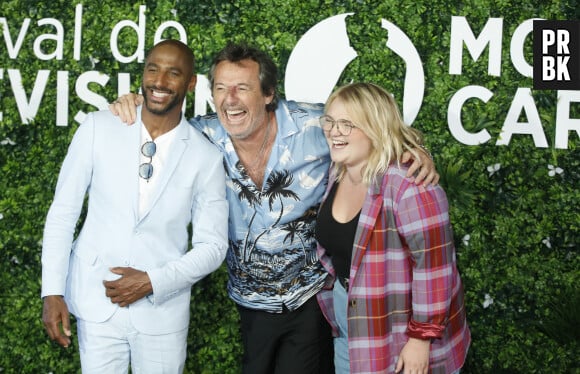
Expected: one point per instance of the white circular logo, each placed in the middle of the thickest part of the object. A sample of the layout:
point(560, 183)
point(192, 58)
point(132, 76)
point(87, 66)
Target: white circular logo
point(324, 51)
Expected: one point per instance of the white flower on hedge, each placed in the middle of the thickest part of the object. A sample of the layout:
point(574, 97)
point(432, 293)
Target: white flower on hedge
point(1, 216)
point(492, 169)
point(7, 141)
point(487, 301)
point(174, 12)
point(547, 242)
point(466, 239)
point(553, 170)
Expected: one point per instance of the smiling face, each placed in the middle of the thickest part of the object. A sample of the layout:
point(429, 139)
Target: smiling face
point(167, 77)
point(238, 98)
point(351, 150)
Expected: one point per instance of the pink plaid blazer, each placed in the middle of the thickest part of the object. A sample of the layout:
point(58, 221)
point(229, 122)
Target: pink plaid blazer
point(403, 279)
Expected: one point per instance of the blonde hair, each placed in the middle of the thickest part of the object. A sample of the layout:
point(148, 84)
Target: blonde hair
point(374, 111)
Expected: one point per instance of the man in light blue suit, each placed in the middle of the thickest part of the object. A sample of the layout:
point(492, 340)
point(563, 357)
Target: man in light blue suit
point(127, 277)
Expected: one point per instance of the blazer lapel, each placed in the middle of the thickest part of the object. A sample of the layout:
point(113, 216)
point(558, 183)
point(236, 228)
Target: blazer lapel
point(368, 217)
point(135, 144)
point(178, 147)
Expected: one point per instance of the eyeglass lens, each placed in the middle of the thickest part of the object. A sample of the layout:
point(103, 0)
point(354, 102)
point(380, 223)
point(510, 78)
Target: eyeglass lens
point(343, 126)
point(148, 149)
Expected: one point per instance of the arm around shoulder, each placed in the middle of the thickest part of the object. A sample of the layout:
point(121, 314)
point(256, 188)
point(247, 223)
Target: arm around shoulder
point(125, 107)
point(422, 169)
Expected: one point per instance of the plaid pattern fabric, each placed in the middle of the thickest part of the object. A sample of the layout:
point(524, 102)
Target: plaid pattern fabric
point(403, 278)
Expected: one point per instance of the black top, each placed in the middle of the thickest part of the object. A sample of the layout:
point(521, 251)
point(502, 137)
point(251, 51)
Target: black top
point(337, 238)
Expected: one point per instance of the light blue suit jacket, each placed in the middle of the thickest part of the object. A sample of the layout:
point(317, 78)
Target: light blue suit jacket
point(103, 160)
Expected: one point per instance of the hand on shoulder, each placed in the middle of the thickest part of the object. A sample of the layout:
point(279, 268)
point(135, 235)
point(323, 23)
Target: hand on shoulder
point(125, 107)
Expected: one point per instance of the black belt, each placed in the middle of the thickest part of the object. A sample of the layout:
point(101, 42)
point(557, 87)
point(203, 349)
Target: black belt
point(343, 282)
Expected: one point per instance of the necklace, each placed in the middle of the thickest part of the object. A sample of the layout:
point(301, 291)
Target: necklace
point(260, 154)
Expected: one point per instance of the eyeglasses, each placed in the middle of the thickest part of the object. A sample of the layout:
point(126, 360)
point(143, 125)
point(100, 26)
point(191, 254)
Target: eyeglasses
point(146, 169)
point(342, 125)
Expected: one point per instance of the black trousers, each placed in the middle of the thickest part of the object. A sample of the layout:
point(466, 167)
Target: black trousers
point(297, 342)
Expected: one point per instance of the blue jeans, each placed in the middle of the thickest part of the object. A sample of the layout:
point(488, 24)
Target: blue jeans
point(341, 360)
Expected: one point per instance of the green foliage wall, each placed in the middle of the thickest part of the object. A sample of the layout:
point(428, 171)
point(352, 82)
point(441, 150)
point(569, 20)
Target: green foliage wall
point(515, 208)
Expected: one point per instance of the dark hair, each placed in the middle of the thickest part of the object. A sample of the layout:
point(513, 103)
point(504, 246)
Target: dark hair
point(183, 48)
point(268, 70)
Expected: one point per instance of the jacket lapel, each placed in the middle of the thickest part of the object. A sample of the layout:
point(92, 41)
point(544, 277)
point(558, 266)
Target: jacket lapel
point(368, 217)
point(178, 147)
point(135, 144)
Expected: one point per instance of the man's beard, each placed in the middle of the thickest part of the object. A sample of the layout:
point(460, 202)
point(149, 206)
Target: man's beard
point(172, 104)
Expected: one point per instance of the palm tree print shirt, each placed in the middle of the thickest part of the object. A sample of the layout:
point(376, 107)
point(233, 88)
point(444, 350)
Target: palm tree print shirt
point(272, 261)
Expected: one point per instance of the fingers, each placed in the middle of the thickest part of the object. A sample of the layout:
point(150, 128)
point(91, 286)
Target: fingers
point(406, 157)
point(427, 177)
point(66, 326)
point(399, 365)
point(56, 336)
point(118, 270)
point(415, 165)
point(113, 108)
point(54, 315)
point(64, 339)
point(422, 170)
point(125, 107)
point(110, 288)
point(114, 294)
point(132, 286)
point(122, 111)
point(435, 180)
point(120, 297)
point(414, 357)
point(420, 177)
point(117, 289)
point(113, 280)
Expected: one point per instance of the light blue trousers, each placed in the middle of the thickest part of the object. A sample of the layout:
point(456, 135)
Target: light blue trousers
point(341, 360)
point(110, 346)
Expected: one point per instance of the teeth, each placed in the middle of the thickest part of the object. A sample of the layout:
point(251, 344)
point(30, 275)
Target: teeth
point(160, 94)
point(235, 114)
point(336, 142)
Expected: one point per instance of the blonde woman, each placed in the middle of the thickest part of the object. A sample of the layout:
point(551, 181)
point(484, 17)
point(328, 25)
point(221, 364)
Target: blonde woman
point(394, 297)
